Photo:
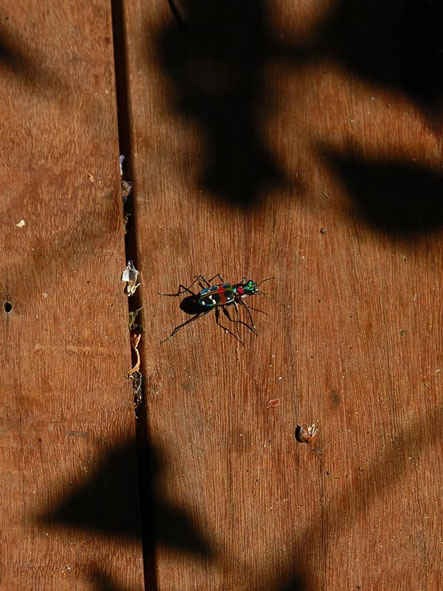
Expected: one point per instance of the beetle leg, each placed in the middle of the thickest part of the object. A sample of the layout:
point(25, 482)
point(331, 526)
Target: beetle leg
point(238, 321)
point(182, 289)
point(257, 310)
point(225, 311)
point(252, 327)
point(177, 328)
point(201, 278)
point(208, 281)
point(217, 275)
point(217, 319)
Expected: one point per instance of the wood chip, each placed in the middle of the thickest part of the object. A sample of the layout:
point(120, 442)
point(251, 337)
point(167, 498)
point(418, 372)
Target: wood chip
point(135, 339)
point(306, 433)
point(273, 403)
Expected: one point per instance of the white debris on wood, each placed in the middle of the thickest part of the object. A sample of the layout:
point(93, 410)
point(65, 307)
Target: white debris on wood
point(20, 224)
point(130, 276)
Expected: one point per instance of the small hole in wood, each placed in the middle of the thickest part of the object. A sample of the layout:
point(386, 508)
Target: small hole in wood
point(7, 306)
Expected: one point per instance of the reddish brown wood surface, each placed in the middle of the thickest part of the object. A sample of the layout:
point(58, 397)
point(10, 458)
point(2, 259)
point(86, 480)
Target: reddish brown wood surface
point(284, 108)
point(69, 507)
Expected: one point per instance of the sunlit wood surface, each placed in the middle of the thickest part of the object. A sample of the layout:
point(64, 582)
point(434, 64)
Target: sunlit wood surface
point(69, 507)
point(295, 140)
point(301, 142)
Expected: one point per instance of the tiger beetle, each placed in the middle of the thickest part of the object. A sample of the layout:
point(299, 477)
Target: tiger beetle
point(217, 297)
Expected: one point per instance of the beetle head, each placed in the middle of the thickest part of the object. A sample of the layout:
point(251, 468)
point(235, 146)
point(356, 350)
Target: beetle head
point(250, 287)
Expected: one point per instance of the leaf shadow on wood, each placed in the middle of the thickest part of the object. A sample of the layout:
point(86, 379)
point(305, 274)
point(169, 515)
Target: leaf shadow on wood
point(108, 502)
point(20, 61)
point(402, 200)
point(297, 584)
point(342, 510)
point(215, 53)
point(395, 44)
point(12, 55)
point(101, 581)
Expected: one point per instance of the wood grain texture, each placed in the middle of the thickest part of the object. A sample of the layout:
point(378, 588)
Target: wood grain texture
point(69, 508)
point(267, 143)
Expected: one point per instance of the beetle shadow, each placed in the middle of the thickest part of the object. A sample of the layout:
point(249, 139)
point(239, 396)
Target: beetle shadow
point(215, 53)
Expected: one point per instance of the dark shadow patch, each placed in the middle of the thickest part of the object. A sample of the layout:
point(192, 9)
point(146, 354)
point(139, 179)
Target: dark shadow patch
point(215, 53)
point(216, 62)
point(11, 53)
point(8, 56)
point(297, 584)
point(401, 199)
point(396, 44)
point(175, 530)
point(108, 502)
point(100, 581)
point(16, 57)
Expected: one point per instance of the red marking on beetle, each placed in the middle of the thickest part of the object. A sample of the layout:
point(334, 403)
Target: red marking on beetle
point(240, 290)
point(223, 298)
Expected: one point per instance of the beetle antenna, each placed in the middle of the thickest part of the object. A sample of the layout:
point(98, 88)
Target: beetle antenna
point(268, 279)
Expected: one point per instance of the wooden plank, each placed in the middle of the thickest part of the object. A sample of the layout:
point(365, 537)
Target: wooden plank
point(69, 510)
point(264, 145)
